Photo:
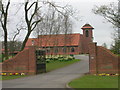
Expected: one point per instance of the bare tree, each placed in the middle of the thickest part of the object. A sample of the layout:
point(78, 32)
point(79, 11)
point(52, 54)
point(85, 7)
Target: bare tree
point(30, 21)
point(55, 22)
point(112, 14)
point(0, 5)
point(3, 20)
point(0, 27)
point(109, 12)
point(5, 28)
point(14, 44)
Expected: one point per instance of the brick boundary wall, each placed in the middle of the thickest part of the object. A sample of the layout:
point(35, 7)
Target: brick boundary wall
point(0, 67)
point(23, 62)
point(102, 60)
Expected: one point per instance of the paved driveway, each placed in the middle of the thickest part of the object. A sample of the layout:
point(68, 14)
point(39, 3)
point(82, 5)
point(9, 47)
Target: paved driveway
point(54, 79)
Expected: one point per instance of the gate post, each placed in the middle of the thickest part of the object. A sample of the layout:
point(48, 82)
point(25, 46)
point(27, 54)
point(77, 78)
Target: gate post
point(93, 67)
point(32, 61)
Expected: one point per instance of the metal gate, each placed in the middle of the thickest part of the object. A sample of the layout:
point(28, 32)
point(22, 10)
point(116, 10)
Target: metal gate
point(40, 61)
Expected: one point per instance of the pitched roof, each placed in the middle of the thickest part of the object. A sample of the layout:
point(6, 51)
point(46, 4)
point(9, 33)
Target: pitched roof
point(87, 26)
point(55, 40)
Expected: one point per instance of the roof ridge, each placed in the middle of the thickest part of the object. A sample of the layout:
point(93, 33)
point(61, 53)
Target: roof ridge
point(59, 34)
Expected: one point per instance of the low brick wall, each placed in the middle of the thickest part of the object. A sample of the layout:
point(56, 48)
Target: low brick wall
point(102, 60)
point(23, 62)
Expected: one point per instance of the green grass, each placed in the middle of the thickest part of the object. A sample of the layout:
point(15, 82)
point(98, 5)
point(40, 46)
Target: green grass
point(57, 64)
point(118, 54)
point(11, 77)
point(90, 81)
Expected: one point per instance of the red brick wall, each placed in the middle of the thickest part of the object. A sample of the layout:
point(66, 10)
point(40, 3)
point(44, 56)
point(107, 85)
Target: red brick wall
point(0, 67)
point(102, 60)
point(24, 61)
point(92, 58)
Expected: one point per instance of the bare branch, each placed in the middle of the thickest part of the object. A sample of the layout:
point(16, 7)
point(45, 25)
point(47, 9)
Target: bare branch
point(36, 22)
point(110, 13)
point(26, 13)
point(31, 6)
point(18, 31)
point(35, 11)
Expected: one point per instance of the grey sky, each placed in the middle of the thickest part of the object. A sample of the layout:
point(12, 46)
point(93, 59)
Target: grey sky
point(102, 31)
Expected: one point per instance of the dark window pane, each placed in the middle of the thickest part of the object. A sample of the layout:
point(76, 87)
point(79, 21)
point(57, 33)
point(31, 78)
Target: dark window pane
point(56, 50)
point(72, 49)
point(48, 51)
point(87, 33)
point(64, 50)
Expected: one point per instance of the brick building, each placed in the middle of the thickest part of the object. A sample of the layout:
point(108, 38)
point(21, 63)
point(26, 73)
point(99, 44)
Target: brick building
point(64, 43)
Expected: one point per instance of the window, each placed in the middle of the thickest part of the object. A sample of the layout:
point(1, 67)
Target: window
point(72, 49)
point(48, 51)
point(56, 51)
point(33, 42)
point(64, 50)
point(87, 33)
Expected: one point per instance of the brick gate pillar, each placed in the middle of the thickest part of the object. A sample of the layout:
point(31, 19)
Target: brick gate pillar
point(93, 58)
point(32, 61)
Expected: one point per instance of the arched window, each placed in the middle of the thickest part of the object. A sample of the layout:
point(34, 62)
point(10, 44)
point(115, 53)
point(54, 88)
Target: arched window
point(64, 50)
point(87, 33)
point(72, 49)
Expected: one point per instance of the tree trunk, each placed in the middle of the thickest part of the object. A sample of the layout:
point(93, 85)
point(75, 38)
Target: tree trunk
point(6, 45)
point(25, 40)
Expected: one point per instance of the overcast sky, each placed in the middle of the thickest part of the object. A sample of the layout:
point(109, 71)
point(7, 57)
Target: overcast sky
point(103, 29)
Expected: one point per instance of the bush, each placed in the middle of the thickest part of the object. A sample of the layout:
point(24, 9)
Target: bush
point(50, 58)
point(47, 61)
point(61, 59)
point(71, 55)
point(69, 59)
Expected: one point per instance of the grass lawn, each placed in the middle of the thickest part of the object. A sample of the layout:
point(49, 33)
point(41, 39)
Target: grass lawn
point(90, 81)
point(57, 64)
point(118, 54)
point(11, 77)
